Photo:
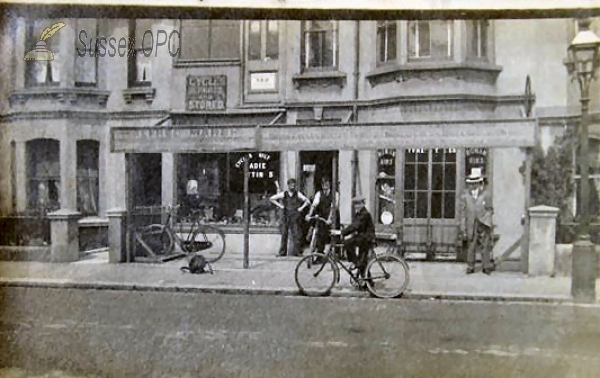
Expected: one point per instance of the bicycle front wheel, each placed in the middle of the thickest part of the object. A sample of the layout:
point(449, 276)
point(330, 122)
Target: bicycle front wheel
point(207, 240)
point(387, 276)
point(315, 275)
point(155, 239)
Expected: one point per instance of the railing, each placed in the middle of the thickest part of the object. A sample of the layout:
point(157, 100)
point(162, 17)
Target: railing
point(25, 230)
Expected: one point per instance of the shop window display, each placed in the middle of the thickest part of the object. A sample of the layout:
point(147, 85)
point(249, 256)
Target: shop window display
point(386, 186)
point(220, 186)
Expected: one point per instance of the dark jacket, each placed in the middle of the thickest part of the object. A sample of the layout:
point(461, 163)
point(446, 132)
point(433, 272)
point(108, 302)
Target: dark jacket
point(363, 225)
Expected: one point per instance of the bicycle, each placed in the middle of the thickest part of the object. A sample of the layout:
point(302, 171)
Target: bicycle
point(315, 232)
point(387, 275)
point(161, 239)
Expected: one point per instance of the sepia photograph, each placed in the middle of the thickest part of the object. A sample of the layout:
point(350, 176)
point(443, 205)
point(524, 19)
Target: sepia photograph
point(296, 188)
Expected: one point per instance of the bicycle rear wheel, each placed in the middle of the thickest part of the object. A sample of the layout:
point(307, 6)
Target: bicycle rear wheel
point(387, 276)
point(155, 239)
point(207, 240)
point(315, 275)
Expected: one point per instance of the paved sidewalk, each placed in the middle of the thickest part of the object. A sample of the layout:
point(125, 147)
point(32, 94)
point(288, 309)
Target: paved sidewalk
point(276, 277)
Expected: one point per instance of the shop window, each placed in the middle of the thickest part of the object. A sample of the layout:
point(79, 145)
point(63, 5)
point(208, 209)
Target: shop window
point(220, 183)
point(386, 41)
point(386, 186)
point(430, 40)
point(86, 59)
point(263, 40)
point(430, 183)
point(210, 39)
point(42, 72)
point(139, 68)
point(43, 174)
point(477, 39)
point(87, 176)
point(319, 45)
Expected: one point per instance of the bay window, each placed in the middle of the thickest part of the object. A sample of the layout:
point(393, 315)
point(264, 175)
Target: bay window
point(386, 41)
point(319, 45)
point(430, 40)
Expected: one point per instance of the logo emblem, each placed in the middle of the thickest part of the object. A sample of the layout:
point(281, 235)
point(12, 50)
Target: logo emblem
point(41, 52)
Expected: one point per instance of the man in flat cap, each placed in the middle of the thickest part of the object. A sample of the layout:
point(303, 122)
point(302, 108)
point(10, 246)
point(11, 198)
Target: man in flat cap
point(476, 224)
point(362, 230)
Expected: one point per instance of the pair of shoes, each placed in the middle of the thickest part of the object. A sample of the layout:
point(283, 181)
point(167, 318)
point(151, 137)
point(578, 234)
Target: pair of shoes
point(470, 270)
point(487, 271)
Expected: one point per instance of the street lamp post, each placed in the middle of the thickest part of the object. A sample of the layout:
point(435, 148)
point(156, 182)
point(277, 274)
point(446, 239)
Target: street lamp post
point(582, 63)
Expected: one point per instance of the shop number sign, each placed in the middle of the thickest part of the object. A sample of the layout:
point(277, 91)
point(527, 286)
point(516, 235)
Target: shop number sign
point(207, 92)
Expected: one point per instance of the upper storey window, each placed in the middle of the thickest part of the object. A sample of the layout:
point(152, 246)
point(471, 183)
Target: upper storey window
point(477, 39)
point(263, 40)
point(430, 40)
point(319, 45)
point(210, 39)
point(40, 72)
point(386, 41)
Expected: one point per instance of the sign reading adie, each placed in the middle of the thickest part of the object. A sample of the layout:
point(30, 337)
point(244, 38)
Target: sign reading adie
point(206, 92)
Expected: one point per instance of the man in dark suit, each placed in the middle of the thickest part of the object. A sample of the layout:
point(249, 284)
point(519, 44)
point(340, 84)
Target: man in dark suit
point(363, 234)
point(477, 222)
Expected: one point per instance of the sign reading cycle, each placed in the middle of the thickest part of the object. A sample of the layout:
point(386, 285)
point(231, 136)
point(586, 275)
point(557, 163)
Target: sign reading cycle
point(206, 92)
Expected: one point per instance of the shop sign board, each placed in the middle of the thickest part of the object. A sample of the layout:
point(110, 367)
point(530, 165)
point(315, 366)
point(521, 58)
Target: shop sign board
point(490, 134)
point(182, 139)
point(497, 133)
point(206, 92)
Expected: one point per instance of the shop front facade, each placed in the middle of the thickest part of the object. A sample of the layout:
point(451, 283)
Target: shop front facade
point(397, 111)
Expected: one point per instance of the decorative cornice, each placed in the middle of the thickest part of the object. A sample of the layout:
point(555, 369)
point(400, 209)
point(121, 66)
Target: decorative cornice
point(68, 96)
point(467, 71)
point(205, 63)
point(82, 114)
point(319, 79)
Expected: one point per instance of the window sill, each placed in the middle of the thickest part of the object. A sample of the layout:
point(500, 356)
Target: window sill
point(319, 78)
point(71, 96)
point(470, 71)
point(146, 93)
point(205, 63)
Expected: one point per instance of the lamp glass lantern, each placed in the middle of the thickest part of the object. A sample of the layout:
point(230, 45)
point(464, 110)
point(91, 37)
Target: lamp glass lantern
point(583, 57)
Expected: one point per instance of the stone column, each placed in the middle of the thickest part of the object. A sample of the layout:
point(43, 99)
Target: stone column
point(542, 234)
point(64, 235)
point(21, 175)
point(68, 170)
point(117, 236)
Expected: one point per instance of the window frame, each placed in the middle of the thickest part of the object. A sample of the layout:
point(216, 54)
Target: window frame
point(386, 26)
point(90, 178)
point(263, 33)
point(305, 48)
point(91, 49)
point(36, 149)
point(210, 59)
point(432, 56)
point(477, 28)
point(50, 66)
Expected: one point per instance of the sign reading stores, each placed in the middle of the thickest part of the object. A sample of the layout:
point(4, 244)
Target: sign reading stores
point(127, 46)
point(206, 92)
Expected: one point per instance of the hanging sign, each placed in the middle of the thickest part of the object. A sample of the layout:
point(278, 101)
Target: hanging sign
point(475, 158)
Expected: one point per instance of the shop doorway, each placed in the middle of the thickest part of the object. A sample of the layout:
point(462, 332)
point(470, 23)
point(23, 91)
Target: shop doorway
point(314, 166)
point(145, 173)
point(430, 202)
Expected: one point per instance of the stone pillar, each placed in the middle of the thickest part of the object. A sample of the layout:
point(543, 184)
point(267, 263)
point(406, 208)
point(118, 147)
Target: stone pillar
point(542, 234)
point(21, 175)
point(64, 235)
point(117, 236)
point(345, 178)
point(68, 170)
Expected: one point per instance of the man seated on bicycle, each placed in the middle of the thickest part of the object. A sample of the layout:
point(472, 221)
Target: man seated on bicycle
point(363, 231)
point(323, 207)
